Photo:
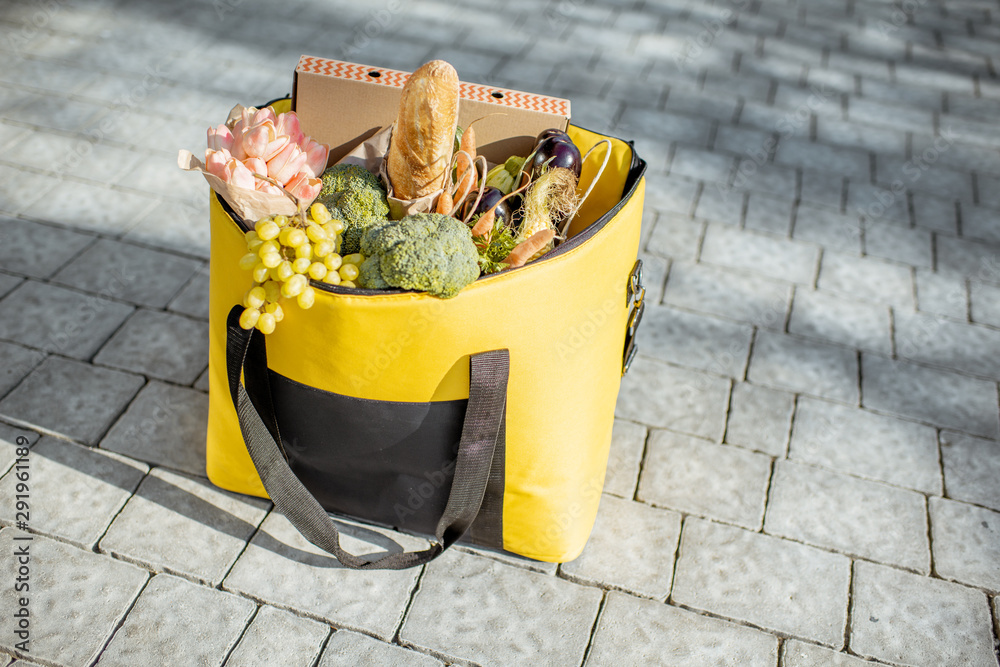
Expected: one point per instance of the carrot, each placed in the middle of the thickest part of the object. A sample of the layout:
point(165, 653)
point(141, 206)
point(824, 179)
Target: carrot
point(463, 163)
point(445, 203)
point(485, 223)
point(525, 250)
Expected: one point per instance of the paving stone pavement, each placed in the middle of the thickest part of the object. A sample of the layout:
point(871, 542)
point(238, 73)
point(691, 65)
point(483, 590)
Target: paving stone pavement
point(804, 466)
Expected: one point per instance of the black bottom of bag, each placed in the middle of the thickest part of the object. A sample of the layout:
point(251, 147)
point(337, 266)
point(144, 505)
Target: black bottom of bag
point(382, 461)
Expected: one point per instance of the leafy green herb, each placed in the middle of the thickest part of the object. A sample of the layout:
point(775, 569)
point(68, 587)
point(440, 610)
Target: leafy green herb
point(494, 248)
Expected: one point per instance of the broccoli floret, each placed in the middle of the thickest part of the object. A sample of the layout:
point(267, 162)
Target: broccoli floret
point(353, 194)
point(427, 252)
point(370, 274)
point(339, 177)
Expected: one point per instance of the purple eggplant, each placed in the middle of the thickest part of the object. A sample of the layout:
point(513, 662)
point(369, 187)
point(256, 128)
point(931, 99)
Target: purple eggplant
point(552, 133)
point(552, 153)
point(491, 196)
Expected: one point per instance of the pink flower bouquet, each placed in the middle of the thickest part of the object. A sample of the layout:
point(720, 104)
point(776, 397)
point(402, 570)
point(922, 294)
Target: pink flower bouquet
point(257, 157)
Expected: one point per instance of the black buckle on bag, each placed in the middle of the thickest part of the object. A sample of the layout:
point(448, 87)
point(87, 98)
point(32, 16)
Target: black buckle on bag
point(635, 297)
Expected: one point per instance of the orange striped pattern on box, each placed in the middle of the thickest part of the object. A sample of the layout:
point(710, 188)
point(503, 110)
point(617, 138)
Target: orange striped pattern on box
point(468, 91)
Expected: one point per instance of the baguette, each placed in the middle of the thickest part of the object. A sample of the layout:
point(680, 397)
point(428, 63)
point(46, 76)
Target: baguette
point(423, 139)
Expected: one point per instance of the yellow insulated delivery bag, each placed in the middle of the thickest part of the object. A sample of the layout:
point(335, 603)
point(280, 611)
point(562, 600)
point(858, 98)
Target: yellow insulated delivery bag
point(486, 417)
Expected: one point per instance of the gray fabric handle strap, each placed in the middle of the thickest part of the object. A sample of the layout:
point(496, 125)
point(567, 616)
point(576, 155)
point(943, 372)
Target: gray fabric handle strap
point(246, 355)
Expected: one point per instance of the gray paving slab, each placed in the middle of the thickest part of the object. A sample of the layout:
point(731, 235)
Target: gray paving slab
point(281, 568)
point(676, 237)
point(817, 314)
point(88, 158)
point(835, 231)
point(742, 297)
point(509, 558)
point(821, 100)
point(16, 361)
point(980, 223)
point(279, 637)
point(36, 250)
point(664, 396)
point(8, 282)
point(669, 195)
point(985, 303)
point(996, 614)
point(631, 548)
point(175, 225)
point(69, 623)
point(800, 654)
point(696, 341)
point(966, 543)
point(350, 649)
point(738, 140)
point(12, 439)
point(940, 397)
point(935, 189)
point(184, 526)
point(89, 398)
point(879, 113)
point(164, 425)
point(968, 258)
point(848, 515)
point(799, 365)
point(628, 441)
point(938, 294)
point(843, 161)
point(820, 188)
point(763, 116)
point(865, 444)
point(59, 320)
point(721, 204)
point(461, 594)
point(75, 491)
point(892, 619)
point(127, 272)
point(765, 213)
point(879, 140)
point(935, 213)
point(160, 345)
point(175, 617)
point(883, 209)
point(766, 255)
point(643, 632)
point(769, 582)
point(752, 176)
point(867, 279)
point(665, 127)
point(760, 418)
point(192, 300)
point(201, 384)
point(956, 346)
point(95, 207)
point(60, 113)
point(971, 466)
point(879, 87)
point(700, 104)
point(700, 164)
point(699, 477)
point(654, 275)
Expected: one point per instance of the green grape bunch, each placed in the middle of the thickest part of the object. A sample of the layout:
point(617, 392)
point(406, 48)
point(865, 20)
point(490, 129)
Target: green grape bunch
point(284, 253)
